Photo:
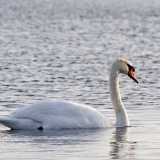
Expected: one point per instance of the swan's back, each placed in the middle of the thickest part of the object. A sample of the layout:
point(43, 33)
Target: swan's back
point(55, 114)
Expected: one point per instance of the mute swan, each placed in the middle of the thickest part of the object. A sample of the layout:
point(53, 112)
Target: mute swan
point(57, 114)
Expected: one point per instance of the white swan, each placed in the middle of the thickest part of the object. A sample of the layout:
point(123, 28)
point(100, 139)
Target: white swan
point(57, 114)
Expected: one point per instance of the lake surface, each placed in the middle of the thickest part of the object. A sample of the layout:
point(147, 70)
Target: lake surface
point(64, 49)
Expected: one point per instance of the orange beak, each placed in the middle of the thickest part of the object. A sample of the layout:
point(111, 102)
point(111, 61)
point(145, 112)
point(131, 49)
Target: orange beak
point(132, 76)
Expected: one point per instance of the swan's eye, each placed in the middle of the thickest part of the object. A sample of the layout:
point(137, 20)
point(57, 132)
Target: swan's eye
point(130, 67)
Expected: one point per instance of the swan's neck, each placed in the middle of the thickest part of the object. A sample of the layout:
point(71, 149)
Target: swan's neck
point(120, 112)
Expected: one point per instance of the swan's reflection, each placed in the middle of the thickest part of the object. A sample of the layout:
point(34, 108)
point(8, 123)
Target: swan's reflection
point(120, 146)
point(81, 139)
point(53, 137)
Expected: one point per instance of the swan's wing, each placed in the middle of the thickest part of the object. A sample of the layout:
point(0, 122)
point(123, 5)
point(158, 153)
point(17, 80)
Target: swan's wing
point(51, 107)
point(62, 114)
point(39, 107)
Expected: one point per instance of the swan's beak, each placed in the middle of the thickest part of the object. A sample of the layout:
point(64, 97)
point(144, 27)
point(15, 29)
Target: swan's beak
point(132, 76)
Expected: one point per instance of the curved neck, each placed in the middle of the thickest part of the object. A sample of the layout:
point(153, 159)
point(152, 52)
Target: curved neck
point(120, 112)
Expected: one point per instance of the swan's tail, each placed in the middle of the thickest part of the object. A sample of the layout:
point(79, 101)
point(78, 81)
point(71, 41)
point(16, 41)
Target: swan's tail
point(14, 123)
point(8, 121)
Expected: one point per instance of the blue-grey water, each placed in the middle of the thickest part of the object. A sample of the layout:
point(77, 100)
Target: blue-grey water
point(64, 49)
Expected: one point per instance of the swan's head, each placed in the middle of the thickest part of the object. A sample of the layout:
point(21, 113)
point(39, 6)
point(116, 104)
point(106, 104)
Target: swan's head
point(126, 67)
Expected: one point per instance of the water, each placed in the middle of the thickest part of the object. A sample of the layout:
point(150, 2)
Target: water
point(64, 49)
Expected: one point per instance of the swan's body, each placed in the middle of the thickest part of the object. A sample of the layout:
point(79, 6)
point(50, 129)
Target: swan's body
point(57, 114)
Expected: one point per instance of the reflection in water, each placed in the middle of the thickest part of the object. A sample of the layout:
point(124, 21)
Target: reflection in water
point(68, 142)
point(52, 133)
point(120, 147)
point(53, 137)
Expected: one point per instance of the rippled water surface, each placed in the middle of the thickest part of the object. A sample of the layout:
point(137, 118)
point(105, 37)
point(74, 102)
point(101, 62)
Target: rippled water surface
point(64, 49)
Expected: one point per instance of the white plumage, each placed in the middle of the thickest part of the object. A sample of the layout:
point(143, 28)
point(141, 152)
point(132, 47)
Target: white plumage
point(57, 114)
